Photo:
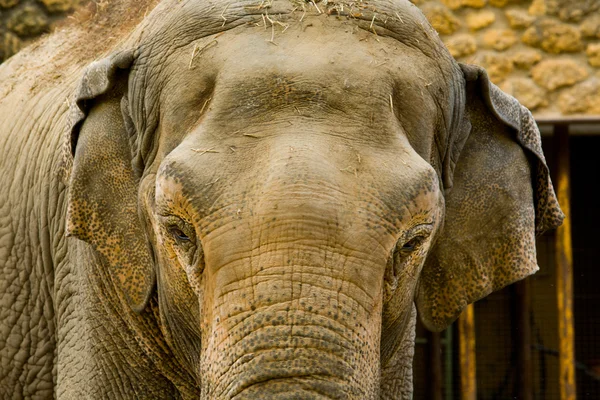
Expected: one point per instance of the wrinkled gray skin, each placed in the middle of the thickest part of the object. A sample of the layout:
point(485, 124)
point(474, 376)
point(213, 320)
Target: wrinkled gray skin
point(229, 207)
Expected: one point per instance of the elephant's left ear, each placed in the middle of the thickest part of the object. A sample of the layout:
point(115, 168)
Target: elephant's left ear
point(103, 188)
point(502, 197)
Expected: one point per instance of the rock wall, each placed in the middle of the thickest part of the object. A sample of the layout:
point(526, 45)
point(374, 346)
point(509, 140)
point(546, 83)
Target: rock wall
point(546, 53)
point(21, 21)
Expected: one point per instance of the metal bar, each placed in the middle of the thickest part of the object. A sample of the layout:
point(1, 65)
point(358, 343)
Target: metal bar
point(564, 269)
point(466, 332)
point(564, 121)
point(449, 370)
point(523, 339)
point(434, 350)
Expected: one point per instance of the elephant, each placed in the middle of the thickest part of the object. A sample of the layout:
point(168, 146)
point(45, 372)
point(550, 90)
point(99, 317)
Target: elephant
point(252, 199)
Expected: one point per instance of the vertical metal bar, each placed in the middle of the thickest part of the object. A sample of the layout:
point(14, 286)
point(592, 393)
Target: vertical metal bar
point(564, 269)
point(523, 339)
point(434, 348)
point(449, 370)
point(466, 332)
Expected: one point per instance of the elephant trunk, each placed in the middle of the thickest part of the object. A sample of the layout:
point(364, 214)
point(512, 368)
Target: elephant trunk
point(297, 309)
point(291, 336)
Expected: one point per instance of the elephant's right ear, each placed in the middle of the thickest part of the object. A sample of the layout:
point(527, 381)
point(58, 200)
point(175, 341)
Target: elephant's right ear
point(103, 188)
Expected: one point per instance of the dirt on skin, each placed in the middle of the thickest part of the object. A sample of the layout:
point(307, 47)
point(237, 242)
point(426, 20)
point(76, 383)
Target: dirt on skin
point(91, 32)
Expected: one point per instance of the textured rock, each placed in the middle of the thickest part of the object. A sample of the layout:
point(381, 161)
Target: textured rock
point(526, 91)
point(572, 10)
point(593, 53)
point(60, 5)
point(525, 59)
point(498, 66)
point(461, 45)
point(499, 3)
point(590, 28)
point(474, 3)
point(452, 4)
point(552, 74)
point(9, 45)
point(441, 18)
point(583, 98)
point(553, 37)
point(519, 19)
point(480, 19)
point(27, 21)
point(499, 39)
point(537, 7)
point(456, 4)
point(8, 3)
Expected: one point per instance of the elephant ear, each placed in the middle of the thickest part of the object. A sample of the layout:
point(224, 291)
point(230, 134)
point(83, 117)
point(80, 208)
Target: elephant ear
point(103, 188)
point(502, 197)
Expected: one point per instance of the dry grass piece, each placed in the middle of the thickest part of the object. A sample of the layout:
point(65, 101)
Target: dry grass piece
point(194, 53)
point(350, 170)
point(204, 151)
point(223, 15)
point(315, 5)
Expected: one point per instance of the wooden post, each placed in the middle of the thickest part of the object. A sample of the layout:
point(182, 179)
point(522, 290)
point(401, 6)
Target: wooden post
point(564, 269)
point(466, 332)
point(434, 347)
point(523, 339)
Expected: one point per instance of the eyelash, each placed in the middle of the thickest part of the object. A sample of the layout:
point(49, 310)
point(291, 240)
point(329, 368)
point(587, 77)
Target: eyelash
point(178, 234)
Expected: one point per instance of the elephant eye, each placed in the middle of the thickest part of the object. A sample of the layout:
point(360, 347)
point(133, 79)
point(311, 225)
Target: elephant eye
point(412, 244)
point(178, 234)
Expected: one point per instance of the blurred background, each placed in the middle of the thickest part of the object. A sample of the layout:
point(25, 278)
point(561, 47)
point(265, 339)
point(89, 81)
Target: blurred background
point(537, 339)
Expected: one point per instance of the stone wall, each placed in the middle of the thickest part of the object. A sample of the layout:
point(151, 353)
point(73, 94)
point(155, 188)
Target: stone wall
point(546, 53)
point(21, 21)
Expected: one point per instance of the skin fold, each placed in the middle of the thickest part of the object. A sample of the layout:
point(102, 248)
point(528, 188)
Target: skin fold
point(241, 201)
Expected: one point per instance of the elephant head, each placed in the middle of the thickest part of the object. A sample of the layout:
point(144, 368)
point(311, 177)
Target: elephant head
point(293, 179)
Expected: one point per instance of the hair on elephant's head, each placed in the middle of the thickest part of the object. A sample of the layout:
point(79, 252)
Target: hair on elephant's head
point(292, 178)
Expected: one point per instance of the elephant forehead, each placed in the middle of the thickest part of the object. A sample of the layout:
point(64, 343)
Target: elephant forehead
point(324, 55)
point(328, 63)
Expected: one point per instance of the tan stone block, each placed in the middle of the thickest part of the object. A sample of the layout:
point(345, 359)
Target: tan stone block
point(537, 7)
point(456, 4)
point(59, 5)
point(498, 66)
point(498, 3)
point(531, 37)
point(9, 44)
point(8, 3)
point(527, 58)
point(590, 28)
point(474, 3)
point(441, 18)
point(553, 37)
point(572, 10)
point(480, 19)
point(499, 39)
point(461, 45)
point(593, 53)
point(27, 21)
point(552, 74)
point(519, 19)
point(583, 98)
point(526, 91)
point(452, 4)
